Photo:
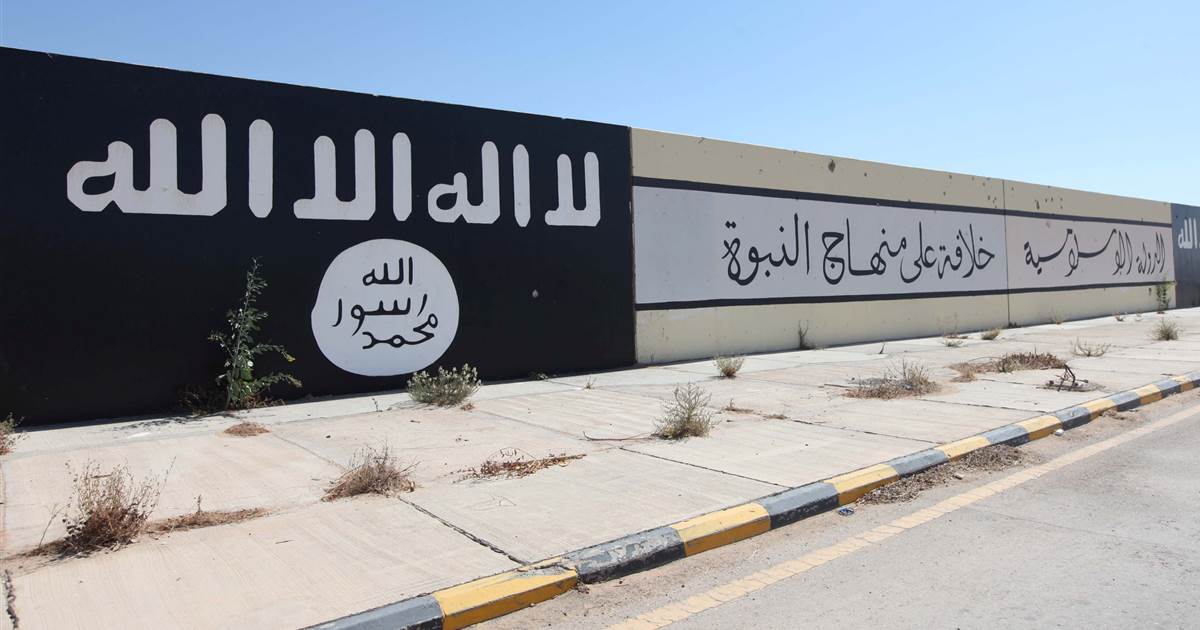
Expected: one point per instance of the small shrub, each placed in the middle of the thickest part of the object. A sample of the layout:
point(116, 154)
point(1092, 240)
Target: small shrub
point(9, 435)
point(448, 388)
point(371, 471)
point(1162, 295)
point(686, 416)
point(1014, 361)
point(107, 510)
point(1165, 330)
point(1119, 316)
point(1056, 318)
point(729, 366)
point(247, 429)
point(952, 343)
point(1084, 349)
point(242, 389)
point(905, 379)
point(991, 335)
point(805, 342)
point(590, 384)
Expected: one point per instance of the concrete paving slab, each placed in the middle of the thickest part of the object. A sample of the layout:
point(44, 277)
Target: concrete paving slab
point(842, 374)
point(439, 442)
point(781, 451)
point(915, 419)
point(599, 413)
point(804, 357)
point(285, 570)
point(228, 472)
point(1152, 367)
point(1104, 380)
point(763, 397)
point(750, 364)
point(1010, 396)
point(650, 375)
point(591, 500)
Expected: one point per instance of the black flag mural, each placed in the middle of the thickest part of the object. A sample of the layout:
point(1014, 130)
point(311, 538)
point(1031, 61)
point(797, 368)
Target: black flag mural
point(395, 235)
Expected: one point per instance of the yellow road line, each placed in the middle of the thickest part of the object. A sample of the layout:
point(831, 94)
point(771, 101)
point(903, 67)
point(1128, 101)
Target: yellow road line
point(736, 589)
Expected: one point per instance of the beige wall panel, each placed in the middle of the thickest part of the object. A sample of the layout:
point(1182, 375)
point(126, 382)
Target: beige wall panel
point(688, 158)
point(1039, 198)
point(705, 332)
point(1041, 307)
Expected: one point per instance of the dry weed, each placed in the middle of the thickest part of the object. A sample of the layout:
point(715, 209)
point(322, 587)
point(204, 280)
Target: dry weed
point(1084, 349)
point(1165, 330)
point(1011, 362)
point(728, 366)
point(203, 518)
point(372, 471)
point(904, 379)
point(106, 510)
point(9, 435)
point(686, 416)
point(247, 429)
point(515, 463)
point(991, 335)
point(732, 408)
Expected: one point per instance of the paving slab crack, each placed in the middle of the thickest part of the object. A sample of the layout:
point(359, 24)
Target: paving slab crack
point(10, 600)
point(465, 533)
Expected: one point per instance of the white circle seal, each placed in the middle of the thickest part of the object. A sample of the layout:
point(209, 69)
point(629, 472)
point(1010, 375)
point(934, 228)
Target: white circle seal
point(385, 307)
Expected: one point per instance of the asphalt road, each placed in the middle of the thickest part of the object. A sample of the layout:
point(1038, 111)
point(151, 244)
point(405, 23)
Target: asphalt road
point(1107, 535)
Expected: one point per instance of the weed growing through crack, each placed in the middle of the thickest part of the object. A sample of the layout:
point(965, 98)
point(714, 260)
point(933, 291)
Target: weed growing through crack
point(1165, 330)
point(447, 388)
point(988, 459)
point(685, 416)
point(241, 389)
point(247, 429)
point(1011, 362)
point(991, 335)
point(1084, 349)
point(907, 378)
point(107, 509)
point(203, 518)
point(514, 463)
point(732, 408)
point(372, 471)
point(805, 342)
point(728, 366)
point(1162, 295)
point(9, 435)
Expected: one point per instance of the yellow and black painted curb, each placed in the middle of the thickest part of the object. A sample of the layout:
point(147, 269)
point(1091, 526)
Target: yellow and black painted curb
point(497, 595)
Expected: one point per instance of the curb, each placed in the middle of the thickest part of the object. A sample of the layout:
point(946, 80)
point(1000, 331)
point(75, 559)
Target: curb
point(497, 595)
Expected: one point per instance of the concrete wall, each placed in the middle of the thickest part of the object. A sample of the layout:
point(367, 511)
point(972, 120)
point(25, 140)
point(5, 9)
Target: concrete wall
point(714, 219)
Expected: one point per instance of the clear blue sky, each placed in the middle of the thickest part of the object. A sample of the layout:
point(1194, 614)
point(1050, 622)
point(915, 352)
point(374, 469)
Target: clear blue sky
point(1096, 95)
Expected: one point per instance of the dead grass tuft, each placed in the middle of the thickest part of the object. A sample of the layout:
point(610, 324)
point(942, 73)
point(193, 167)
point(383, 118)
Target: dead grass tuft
point(991, 335)
point(728, 366)
point(908, 378)
point(9, 435)
point(1165, 330)
point(203, 518)
point(372, 471)
point(805, 341)
point(515, 463)
point(685, 416)
point(989, 459)
point(775, 416)
point(1011, 362)
point(247, 429)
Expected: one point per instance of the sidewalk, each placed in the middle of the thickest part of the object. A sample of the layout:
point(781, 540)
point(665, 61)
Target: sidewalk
point(307, 561)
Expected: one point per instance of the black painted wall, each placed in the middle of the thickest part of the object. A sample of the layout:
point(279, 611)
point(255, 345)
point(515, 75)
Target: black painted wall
point(105, 313)
point(1185, 223)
